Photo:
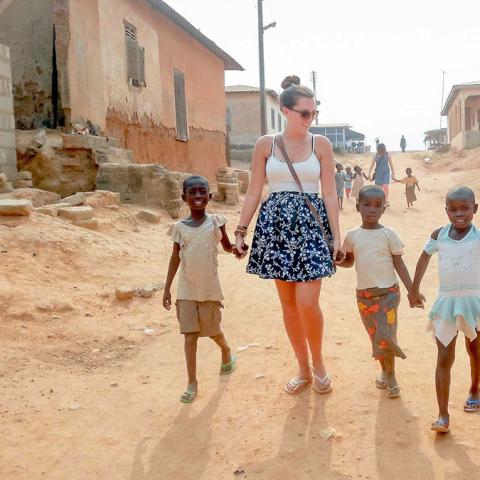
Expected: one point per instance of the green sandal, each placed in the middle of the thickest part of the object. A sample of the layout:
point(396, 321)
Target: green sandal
point(188, 396)
point(381, 383)
point(394, 392)
point(228, 368)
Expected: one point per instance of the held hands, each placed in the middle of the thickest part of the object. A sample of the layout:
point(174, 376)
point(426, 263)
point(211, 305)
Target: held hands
point(338, 253)
point(239, 255)
point(416, 299)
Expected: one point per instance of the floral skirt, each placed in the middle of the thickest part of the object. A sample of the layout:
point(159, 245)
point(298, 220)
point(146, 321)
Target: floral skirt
point(288, 244)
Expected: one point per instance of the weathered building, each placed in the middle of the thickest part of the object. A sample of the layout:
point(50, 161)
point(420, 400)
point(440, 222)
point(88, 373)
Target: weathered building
point(340, 134)
point(136, 68)
point(8, 158)
point(243, 118)
point(463, 111)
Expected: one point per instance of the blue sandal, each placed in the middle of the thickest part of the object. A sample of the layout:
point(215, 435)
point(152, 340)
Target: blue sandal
point(471, 406)
point(228, 368)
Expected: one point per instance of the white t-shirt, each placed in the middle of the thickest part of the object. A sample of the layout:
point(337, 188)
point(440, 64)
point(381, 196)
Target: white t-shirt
point(198, 275)
point(373, 250)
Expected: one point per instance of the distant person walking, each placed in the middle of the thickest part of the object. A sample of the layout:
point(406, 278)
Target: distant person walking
point(377, 141)
point(403, 143)
point(383, 169)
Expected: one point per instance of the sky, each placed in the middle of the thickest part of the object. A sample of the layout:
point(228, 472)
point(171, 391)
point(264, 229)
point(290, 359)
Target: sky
point(379, 63)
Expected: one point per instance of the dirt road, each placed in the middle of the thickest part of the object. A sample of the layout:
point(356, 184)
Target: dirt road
point(90, 386)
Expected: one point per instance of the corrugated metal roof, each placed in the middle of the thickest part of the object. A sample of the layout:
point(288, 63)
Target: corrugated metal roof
point(184, 24)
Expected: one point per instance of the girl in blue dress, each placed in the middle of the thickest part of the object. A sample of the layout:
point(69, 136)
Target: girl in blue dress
point(384, 170)
point(457, 307)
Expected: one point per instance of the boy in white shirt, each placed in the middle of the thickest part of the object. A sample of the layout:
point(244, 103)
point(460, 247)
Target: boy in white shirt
point(377, 253)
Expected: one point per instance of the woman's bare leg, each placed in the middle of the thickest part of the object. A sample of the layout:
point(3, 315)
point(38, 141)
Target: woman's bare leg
point(307, 300)
point(294, 326)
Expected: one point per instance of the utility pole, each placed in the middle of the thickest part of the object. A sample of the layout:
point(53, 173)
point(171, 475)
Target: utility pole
point(443, 93)
point(314, 82)
point(261, 61)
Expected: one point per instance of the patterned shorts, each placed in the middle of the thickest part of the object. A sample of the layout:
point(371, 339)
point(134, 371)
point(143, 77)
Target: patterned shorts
point(378, 311)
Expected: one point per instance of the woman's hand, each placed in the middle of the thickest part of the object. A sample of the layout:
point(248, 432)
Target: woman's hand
point(240, 246)
point(338, 253)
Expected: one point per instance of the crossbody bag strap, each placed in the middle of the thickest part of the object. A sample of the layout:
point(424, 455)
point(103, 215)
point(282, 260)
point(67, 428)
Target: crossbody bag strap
point(281, 146)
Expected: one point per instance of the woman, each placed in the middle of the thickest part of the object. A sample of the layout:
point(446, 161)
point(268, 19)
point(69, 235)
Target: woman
point(383, 166)
point(288, 245)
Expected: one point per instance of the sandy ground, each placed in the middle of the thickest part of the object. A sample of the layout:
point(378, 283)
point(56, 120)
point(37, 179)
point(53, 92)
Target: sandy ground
point(86, 393)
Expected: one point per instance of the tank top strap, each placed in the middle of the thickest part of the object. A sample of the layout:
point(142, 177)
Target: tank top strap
point(313, 143)
point(273, 145)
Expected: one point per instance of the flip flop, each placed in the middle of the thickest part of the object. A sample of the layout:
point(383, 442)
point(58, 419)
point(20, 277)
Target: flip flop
point(394, 392)
point(188, 396)
point(471, 406)
point(322, 385)
point(296, 385)
point(381, 383)
point(440, 426)
point(228, 368)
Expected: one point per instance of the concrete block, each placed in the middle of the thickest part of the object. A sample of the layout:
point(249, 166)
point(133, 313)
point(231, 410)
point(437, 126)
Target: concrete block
point(83, 142)
point(22, 184)
point(3, 179)
point(51, 211)
point(149, 216)
point(23, 175)
point(6, 187)
point(74, 200)
point(76, 214)
point(15, 207)
point(102, 198)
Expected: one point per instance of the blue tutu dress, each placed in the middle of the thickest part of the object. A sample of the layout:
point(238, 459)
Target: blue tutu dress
point(457, 307)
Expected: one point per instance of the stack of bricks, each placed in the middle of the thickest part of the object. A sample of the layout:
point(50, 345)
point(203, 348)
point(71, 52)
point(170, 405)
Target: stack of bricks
point(243, 179)
point(8, 156)
point(5, 185)
point(227, 186)
point(23, 180)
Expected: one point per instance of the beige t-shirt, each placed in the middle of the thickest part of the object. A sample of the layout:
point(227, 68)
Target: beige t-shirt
point(409, 181)
point(373, 250)
point(198, 275)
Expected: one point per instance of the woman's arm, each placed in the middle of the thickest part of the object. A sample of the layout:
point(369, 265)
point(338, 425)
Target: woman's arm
point(370, 169)
point(391, 165)
point(261, 152)
point(323, 149)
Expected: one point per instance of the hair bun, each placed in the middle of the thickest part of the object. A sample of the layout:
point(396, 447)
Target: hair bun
point(290, 80)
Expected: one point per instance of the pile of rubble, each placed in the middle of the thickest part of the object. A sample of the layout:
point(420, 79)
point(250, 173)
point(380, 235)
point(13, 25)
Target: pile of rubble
point(230, 183)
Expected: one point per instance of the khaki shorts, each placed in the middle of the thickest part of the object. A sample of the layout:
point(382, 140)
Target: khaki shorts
point(202, 318)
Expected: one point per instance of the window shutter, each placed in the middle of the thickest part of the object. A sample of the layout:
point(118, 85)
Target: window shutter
point(132, 60)
point(141, 66)
point(180, 105)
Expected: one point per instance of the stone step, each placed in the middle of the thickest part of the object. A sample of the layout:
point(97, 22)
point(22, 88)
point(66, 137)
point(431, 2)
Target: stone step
point(114, 155)
point(88, 142)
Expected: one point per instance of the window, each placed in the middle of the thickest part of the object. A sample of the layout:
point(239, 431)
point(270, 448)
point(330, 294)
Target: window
point(180, 105)
point(135, 57)
point(279, 122)
point(272, 112)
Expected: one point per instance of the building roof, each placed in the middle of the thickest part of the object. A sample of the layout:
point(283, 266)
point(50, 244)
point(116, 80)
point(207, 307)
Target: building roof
point(453, 93)
point(185, 25)
point(248, 88)
point(332, 125)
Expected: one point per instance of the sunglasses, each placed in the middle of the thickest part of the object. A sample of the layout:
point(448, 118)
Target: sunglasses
point(306, 114)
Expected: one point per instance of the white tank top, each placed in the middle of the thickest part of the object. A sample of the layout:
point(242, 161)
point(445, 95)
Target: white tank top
point(280, 179)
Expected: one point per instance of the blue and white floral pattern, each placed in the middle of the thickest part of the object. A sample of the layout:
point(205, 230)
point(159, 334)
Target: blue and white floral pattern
point(288, 243)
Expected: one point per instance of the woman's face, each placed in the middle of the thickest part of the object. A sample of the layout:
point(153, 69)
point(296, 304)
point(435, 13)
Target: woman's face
point(301, 116)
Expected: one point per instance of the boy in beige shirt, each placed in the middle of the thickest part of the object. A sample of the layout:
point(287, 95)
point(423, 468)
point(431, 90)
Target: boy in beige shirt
point(377, 253)
point(199, 294)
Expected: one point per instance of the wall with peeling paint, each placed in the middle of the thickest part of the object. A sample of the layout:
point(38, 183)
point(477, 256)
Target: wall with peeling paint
point(26, 26)
point(143, 118)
